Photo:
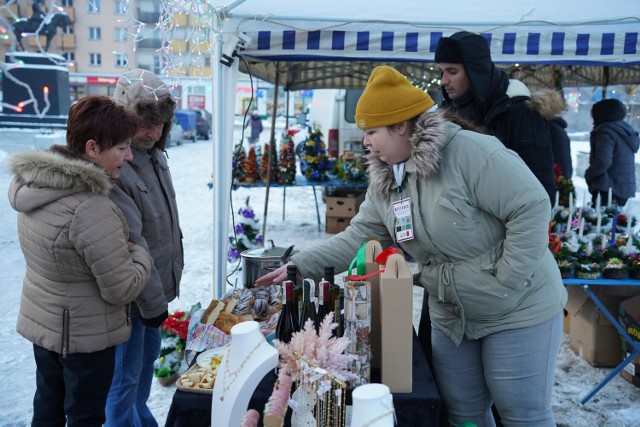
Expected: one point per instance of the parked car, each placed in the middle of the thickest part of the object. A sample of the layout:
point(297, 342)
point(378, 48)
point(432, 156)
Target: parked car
point(175, 134)
point(203, 123)
point(188, 121)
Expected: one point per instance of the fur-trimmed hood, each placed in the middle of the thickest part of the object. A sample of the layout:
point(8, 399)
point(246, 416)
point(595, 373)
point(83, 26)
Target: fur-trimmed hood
point(427, 141)
point(50, 175)
point(546, 102)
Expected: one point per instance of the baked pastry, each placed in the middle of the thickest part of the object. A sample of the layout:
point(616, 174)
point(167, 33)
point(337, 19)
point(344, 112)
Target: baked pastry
point(230, 304)
point(226, 321)
point(212, 312)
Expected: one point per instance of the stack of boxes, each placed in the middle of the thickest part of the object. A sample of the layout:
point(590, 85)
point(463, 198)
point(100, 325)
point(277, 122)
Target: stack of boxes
point(591, 334)
point(342, 205)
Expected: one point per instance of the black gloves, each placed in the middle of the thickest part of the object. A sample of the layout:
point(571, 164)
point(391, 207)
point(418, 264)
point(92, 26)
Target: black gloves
point(155, 322)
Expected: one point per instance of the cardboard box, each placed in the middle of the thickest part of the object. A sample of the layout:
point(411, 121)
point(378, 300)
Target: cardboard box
point(337, 224)
point(396, 327)
point(631, 372)
point(566, 323)
point(592, 336)
point(629, 319)
point(344, 204)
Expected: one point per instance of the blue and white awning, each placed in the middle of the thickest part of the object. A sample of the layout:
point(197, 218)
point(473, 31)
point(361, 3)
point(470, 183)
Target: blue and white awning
point(600, 46)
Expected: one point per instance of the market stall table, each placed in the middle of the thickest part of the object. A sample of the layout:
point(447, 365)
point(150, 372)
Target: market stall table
point(585, 284)
point(420, 408)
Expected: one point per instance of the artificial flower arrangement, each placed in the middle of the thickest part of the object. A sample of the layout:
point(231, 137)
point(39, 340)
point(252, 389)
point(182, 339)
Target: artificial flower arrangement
point(322, 348)
point(246, 234)
point(174, 339)
point(565, 188)
point(350, 168)
point(633, 265)
point(586, 268)
point(615, 268)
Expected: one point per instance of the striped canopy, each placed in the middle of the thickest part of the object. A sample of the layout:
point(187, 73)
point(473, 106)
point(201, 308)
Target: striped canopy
point(336, 43)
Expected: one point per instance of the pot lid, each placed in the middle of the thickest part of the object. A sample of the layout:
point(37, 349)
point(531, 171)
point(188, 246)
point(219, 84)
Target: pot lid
point(268, 252)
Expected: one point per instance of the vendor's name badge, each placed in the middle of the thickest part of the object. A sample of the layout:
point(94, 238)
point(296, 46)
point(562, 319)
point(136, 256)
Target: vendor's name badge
point(404, 222)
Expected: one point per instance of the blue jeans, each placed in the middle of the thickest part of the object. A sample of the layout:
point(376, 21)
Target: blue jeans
point(514, 369)
point(131, 385)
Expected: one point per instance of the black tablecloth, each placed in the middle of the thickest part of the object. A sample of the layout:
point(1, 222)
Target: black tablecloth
point(419, 408)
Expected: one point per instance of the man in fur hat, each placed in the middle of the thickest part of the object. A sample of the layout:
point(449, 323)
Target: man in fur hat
point(144, 192)
point(612, 158)
point(474, 88)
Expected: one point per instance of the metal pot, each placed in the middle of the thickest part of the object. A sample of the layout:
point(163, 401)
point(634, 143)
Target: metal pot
point(258, 262)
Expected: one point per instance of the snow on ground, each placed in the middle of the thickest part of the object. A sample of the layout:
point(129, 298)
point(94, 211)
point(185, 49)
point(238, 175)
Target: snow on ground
point(617, 404)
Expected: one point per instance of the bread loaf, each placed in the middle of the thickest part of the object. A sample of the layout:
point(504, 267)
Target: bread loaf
point(212, 312)
point(226, 321)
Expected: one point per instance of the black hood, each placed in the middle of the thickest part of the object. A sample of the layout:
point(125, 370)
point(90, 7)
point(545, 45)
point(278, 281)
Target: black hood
point(608, 110)
point(472, 51)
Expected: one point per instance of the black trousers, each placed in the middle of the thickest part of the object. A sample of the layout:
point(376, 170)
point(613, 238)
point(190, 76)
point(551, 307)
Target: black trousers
point(71, 390)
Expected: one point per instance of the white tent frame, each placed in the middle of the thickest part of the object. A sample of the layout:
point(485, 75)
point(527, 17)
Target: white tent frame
point(277, 33)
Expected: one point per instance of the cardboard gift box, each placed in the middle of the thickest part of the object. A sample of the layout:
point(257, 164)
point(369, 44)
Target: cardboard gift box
point(391, 317)
point(396, 327)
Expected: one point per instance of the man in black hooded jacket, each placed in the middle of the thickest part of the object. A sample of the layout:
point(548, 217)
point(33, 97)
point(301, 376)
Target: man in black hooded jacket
point(477, 90)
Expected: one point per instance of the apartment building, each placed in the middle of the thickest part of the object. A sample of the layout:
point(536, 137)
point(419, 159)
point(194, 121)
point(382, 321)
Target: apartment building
point(107, 37)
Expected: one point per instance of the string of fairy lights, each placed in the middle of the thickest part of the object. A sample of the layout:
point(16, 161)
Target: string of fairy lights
point(184, 29)
point(186, 40)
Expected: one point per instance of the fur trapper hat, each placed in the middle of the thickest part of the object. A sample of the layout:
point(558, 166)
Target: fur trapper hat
point(143, 93)
point(388, 99)
point(608, 110)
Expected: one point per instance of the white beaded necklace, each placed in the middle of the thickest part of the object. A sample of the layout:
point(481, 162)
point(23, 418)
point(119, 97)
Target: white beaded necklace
point(233, 375)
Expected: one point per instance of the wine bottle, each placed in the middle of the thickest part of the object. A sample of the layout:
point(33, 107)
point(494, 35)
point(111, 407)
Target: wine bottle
point(340, 314)
point(324, 304)
point(334, 297)
point(292, 275)
point(287, 323)
point(308, 306)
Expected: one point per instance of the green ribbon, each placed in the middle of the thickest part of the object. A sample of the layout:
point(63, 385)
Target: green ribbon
point(359, 261)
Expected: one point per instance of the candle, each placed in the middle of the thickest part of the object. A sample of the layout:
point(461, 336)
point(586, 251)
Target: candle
point(570, 203)
point(629, 232)
point(584, 198)
point(614, 224)
point(579, 215)
point(555, 206)
point(598, 202)
point(581, 228)
point(609, 198)
point(568, 223)
point(598, 224)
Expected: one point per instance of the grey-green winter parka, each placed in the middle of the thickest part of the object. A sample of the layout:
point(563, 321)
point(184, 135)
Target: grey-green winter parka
point(80, 273)
point(481, 231)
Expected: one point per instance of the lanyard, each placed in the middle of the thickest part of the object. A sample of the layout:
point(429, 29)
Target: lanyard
point(398, 173)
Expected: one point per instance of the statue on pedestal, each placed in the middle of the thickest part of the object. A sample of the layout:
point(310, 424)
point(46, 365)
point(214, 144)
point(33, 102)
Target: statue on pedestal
point(40, 24)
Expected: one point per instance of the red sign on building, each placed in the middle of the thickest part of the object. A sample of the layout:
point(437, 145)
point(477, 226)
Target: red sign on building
point(195, 101)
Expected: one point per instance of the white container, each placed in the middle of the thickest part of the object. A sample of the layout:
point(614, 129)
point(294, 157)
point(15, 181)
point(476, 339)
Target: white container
point(372, 406)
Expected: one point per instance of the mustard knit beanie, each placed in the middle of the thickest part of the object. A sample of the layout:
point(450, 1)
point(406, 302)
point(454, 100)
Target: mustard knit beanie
point(388, 99)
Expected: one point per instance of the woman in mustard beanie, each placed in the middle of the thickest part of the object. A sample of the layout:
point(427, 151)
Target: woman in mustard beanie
point(474, 218)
